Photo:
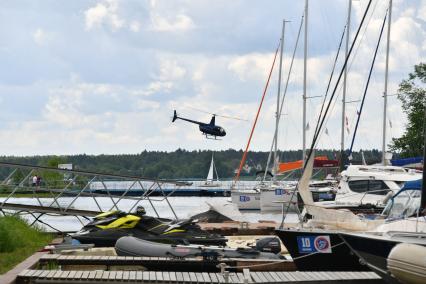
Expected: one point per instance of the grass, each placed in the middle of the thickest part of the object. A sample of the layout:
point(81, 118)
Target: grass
point(18, 241)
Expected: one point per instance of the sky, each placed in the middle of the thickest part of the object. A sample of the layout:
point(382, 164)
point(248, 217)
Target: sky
point(104, 76)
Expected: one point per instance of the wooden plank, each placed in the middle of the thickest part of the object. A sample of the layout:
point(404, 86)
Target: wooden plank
point(139, 275)
point(369, 275)
point(179, 276)
point(23, 273)
point(309, 275)
point(234, 278)
point(112, 275)
point(186, 277)
point(268, 276)
point(324, 275)
point(56, 275)
point(36, 273)
point(193, 277)
point(166, 276)
point(78, 274)
point(213, 278)
point(125, 276)
point(261, 277)
point(152, 276)
point(220, 278)
point(274, 276)
point(84, 275)
point(105, 275)
point(51, 273)
point(206, 277)
point(98, 274)
point(132, 275)
point(255, 277)
point(159, 275)
point(91, 275)
point(145, 275)
point(286, 276)
point(119, 275)
point(172, 276)
point(200, 278)
point(46, 272)
point(31, 272)
point(64, 275)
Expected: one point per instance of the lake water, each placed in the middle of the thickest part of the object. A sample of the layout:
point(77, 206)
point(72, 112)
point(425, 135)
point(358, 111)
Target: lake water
point(183, 206)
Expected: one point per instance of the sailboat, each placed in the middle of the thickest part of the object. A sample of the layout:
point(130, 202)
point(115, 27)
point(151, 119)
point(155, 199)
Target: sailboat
point(210, 181)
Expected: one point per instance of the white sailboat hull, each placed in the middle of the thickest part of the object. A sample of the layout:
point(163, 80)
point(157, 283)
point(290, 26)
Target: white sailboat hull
point(275, 199)
point(246, 200)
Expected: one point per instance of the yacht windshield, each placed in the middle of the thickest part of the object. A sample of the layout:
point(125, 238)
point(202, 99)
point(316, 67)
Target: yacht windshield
point(403, 205)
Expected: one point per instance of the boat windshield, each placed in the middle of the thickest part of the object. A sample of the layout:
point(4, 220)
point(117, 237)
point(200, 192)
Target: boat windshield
point(403, 205)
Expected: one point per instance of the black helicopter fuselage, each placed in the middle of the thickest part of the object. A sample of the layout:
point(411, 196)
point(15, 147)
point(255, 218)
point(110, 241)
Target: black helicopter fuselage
point(206, 128)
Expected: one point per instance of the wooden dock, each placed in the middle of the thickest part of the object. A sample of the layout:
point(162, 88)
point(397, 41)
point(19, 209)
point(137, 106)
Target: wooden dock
point(86, 262)
point(56, 276)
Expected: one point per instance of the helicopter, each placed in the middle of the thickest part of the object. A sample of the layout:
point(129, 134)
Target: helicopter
point(210, 130)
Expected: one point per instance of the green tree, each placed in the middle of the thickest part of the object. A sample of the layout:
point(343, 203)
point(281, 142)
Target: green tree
point(412, 94)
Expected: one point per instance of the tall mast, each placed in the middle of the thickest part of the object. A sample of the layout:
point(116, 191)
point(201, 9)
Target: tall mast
point(342, 139)
point(423, 197)
point(385, 93)
point(278, 104)
point(305, 52)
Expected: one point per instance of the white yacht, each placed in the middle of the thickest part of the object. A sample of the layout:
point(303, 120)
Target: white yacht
point(367, 188)
point(281, 196)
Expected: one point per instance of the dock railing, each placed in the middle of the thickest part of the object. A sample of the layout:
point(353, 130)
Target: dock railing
point(55, 184)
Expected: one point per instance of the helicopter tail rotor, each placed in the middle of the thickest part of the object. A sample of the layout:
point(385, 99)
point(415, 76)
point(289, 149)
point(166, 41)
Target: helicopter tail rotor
point(174, 116)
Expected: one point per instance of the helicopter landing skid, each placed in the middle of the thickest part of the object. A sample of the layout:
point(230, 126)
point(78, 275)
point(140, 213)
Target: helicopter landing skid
point(212, 137)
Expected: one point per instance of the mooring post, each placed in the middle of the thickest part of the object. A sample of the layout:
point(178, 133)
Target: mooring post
point(224, 273)
point(246, 274)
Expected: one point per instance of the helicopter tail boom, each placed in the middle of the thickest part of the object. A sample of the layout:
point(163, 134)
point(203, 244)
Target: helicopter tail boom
point(175, 116)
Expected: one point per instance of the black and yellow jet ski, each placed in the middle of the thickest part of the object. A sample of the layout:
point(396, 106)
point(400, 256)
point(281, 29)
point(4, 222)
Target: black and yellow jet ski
point(106, 228)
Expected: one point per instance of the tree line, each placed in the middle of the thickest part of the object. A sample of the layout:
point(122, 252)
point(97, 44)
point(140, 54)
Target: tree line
point(179, 164)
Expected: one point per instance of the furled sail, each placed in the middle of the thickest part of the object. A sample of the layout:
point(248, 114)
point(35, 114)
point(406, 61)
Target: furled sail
point(330, 218)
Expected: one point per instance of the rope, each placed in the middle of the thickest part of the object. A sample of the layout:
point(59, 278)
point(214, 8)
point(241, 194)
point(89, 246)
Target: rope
point(331, 77)
point(237, 177)
point(366, 86)
point(281, 261)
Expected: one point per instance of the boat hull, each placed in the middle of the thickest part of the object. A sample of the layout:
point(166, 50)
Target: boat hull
point(246, 200)
point(373, 250)
point(276, 199)
point(331, 255)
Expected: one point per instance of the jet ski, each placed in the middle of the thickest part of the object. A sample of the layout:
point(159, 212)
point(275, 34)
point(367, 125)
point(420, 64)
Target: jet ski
point(131, 246)
point(106, 228)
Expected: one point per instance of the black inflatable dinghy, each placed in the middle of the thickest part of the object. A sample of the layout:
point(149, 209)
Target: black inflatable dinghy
point(131, 246)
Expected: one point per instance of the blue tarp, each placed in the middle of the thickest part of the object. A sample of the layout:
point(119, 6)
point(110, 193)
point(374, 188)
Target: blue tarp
point(406, 161)
point(414, 184)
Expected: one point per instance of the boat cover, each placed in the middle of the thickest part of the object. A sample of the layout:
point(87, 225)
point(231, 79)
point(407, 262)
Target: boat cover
point(407, 162)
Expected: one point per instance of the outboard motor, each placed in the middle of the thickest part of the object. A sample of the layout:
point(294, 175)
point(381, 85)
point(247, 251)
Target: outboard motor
point(269, 244)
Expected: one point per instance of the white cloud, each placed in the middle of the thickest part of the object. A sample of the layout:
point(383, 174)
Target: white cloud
point(40, 37)
point(179, 22)
point(105, 12)
point(135, 26)
point(253, 66)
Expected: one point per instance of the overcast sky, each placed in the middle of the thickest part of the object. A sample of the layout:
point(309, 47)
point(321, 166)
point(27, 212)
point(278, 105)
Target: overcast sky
point(105, 76)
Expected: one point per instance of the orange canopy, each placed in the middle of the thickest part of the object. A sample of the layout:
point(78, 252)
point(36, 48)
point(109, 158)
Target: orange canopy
point(321, 161)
